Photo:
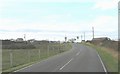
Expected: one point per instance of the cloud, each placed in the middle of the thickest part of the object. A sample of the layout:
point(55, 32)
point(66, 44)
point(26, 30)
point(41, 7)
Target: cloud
point(40, 1)
point(63, 1)
point(105, 23)
point(106, 4)
point(52, 24)
point(11, 24)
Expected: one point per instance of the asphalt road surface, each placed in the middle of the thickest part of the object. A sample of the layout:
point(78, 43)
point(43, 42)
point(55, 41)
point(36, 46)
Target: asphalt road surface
point(80, 58)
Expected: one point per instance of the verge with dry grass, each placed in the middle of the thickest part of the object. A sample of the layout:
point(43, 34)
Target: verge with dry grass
point(109, 57)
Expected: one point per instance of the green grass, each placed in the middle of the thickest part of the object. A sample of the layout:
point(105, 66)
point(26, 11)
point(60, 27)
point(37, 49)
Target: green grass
point(24, 57)
point(119, 61)
point(110, 62)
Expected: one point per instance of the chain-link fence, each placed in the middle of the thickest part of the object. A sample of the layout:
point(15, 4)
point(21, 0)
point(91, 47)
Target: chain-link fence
point(16, 57)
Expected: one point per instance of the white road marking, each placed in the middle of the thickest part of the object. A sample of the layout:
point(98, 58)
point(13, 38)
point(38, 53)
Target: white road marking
point(102, 63)
point(66, 64)
point(77, 53)
point(23, 68)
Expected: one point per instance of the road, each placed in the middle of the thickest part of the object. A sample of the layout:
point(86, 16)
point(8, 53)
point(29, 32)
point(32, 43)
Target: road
point(80, 58)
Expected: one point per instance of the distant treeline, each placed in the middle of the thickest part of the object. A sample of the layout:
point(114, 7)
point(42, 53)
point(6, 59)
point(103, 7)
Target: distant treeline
point(7, 44)
point(106, 42)
point(18, 45)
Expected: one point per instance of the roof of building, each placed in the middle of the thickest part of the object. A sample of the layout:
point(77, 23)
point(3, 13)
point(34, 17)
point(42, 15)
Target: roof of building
point(101, 38)
point(20, 38)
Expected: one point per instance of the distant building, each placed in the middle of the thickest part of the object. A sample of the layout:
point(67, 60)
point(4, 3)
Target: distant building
point(12, 40)
point(54, 41)
point(31, 40)
point(19, 40)
point(40, 42)
point(100, 41)
point(72, 40)
point(83, 40)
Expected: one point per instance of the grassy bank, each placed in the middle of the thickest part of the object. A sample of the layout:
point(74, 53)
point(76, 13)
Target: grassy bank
point(18, 58)
point(110, 58)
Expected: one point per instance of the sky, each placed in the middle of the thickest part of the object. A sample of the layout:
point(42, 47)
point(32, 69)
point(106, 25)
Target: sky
point(55, 19)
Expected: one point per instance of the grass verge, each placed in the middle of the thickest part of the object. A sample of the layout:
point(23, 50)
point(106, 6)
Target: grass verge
point(109, 60)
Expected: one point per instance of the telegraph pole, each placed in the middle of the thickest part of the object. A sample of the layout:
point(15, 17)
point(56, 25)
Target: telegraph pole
point(84, 35)
point(77, 38)
point(25, 38)
point(81, 38)
point(93, 32)
point(65, 39)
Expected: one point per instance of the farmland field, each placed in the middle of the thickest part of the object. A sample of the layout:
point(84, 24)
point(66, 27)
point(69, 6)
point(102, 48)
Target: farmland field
point(13, 59)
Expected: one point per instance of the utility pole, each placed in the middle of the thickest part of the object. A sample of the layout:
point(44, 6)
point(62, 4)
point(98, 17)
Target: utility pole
point(84, 35)
point(65, 39)
point(93, 32)
point(81, 38)
point(25, 38)
point(77, 38)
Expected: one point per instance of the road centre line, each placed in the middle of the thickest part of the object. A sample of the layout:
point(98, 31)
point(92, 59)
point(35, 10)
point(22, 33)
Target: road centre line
point(23, 68)
point(66, 64)
point(77, 53)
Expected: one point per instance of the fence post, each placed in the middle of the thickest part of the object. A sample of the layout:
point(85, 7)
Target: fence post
point(39, 54)
point(0, 57)
point(59, 48)
point(65, 46)
point(48, 50)
point(11, 58)
point(53, 48)
point(28, 55)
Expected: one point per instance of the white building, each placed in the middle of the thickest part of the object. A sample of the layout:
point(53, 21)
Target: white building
point(19, 40)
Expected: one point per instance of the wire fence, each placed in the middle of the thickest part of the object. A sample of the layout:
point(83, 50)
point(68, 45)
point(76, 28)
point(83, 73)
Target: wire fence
point(16, 57)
